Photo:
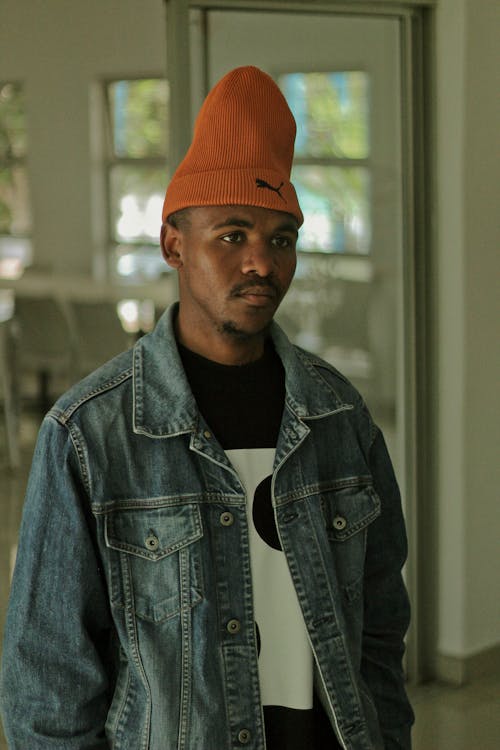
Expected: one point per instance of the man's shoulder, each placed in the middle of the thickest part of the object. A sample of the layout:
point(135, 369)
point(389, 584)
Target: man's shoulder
point(314, 360)
point(333, 377)
point(106, 381)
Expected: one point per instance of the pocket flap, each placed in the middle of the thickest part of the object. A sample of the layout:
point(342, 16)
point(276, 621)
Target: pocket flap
point(349, 510)
point(153, 533)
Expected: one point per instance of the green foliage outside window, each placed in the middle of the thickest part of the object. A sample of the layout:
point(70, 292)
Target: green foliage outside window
point(137, 174)
point(332, 112)
point(14, 203)
point(12, 122)
point(332, 146)
point(139, 111)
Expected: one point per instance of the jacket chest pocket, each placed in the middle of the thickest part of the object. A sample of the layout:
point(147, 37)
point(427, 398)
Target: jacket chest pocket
point(348, 513)
point(155, 559)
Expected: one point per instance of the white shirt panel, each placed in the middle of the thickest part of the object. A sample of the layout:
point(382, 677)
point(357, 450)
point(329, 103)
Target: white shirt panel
point(286, 660)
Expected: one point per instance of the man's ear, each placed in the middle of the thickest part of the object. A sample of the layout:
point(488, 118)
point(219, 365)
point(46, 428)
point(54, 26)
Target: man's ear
point(171, 240)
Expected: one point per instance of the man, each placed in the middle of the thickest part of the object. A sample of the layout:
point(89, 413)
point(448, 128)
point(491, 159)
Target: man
point(211, 550)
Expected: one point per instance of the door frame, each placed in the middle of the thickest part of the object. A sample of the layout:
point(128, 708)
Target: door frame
point(416, 19)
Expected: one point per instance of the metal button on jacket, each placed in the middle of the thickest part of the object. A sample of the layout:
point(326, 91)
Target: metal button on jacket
point(152, 542)
point(339, 523)
point(233, 626)
point(244, 736)
point(226, 518)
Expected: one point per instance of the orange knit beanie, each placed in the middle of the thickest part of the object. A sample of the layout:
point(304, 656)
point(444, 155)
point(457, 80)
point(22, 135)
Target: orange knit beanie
point(242, 149)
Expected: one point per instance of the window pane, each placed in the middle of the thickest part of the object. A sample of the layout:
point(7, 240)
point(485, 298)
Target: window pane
point(15, 254)
point(15, 218)
point(137, 194)
point(12, 122)
point(139, 117)
point(139, 263)
point(335, 202)
point(331, 111)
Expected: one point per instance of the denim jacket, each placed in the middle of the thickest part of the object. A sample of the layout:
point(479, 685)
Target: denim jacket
point(133, 566)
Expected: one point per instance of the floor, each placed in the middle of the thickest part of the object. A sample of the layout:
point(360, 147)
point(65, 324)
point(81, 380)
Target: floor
point(450, 718)
point(447, 718)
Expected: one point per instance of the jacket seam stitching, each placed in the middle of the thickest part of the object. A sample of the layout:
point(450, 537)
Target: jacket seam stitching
point(79, 450)
point(64, 416)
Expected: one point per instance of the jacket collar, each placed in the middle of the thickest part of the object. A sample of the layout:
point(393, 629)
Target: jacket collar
point(164, 405)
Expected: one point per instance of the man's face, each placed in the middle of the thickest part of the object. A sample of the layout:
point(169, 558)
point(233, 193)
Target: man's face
point(235, 265)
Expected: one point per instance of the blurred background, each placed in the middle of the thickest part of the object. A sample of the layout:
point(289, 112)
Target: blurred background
point(396, 168)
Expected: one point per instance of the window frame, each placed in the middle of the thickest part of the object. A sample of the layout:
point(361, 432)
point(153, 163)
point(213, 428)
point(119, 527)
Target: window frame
point(111, 160)
point(342, 163)
point(12, 265)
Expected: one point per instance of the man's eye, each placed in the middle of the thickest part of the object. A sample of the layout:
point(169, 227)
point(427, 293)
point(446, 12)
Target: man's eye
point(280, 241)
point(233, 237)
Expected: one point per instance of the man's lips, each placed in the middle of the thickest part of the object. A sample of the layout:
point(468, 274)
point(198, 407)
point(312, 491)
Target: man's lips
point(254, 291)
point(258, 296)
point(258, 293)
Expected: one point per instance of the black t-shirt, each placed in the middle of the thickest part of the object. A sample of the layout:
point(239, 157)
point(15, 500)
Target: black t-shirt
point(243, 405)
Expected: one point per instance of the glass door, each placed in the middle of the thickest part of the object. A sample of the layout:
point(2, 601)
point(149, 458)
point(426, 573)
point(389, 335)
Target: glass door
point(348, 80)
point(341, 77)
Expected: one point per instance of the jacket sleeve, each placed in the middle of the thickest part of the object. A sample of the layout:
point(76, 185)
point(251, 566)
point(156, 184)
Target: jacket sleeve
point(386, 605)
point(55, 689)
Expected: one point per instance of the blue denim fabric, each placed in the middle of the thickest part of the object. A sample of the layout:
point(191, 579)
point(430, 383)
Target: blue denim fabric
point(128, 573)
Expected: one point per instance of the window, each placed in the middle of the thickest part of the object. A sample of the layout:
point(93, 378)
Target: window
point(137, 116)
point(332, 148)
point(15, 210)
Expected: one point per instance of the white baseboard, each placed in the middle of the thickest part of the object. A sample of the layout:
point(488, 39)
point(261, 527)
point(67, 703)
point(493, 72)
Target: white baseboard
point(459, 670)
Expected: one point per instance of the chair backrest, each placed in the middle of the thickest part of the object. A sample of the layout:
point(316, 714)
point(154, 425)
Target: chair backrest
point(99, 334)
point(46, 339)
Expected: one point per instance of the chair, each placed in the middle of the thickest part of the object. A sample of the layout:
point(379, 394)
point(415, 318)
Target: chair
point(99, 334)
point(46, 341)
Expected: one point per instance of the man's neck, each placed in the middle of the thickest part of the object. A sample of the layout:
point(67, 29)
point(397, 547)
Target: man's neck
point(226, 349)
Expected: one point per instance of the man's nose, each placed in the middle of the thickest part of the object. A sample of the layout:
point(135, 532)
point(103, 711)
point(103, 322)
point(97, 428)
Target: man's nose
point(260, 258)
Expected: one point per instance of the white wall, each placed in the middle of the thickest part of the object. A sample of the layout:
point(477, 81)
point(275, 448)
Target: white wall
point(482, 244)
point(467, 371)
point(61, 49)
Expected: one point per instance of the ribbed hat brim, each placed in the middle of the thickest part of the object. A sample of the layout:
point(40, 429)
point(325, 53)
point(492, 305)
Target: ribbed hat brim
point(233, 187)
